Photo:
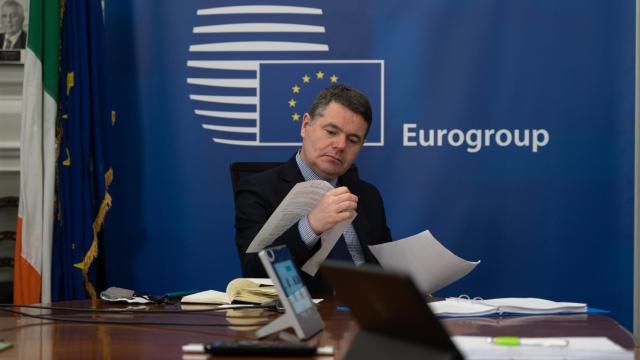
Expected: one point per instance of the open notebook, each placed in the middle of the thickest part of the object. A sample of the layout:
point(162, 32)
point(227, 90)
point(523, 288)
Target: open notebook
point(244, 290)
point(480, 307)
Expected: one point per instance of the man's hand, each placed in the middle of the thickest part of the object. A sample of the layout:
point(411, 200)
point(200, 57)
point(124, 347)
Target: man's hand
point(335, 206)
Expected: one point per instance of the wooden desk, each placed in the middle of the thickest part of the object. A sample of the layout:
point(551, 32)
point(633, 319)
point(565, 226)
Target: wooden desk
point(41, 339)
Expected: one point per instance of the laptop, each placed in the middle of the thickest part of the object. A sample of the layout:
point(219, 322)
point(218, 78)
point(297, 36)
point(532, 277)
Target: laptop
point(394, 317)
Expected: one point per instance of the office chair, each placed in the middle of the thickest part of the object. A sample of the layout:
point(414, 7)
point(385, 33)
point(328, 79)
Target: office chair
point(241, 169)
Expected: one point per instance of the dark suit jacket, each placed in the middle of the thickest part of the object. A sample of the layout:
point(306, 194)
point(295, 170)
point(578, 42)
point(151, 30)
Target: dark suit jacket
point(21, 43)
point(257, 196)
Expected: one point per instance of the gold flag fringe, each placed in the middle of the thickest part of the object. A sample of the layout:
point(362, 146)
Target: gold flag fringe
point(92, 253)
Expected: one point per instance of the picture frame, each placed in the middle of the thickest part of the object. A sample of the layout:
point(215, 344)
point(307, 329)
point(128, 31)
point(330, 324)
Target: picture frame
point(14, 22)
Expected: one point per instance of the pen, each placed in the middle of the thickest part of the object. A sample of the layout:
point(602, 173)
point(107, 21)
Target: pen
point(520, 341)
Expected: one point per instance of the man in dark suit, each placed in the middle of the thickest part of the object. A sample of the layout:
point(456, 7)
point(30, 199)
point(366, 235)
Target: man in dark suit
point(333, 133)
point(12, 19)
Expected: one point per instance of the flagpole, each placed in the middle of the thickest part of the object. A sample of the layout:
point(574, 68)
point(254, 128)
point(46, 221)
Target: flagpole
point(636, 235)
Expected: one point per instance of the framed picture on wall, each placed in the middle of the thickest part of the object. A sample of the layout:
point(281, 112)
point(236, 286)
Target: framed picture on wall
point(13, 34)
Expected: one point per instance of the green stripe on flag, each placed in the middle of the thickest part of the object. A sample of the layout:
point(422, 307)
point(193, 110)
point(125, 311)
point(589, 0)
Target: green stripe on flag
point(34, 40)
point(44, 40)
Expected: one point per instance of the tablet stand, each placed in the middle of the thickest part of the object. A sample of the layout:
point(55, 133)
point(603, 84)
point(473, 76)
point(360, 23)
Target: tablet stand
point(299, 311)
point(283, 322)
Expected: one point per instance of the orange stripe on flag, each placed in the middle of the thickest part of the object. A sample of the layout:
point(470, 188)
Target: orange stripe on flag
point(27, 281)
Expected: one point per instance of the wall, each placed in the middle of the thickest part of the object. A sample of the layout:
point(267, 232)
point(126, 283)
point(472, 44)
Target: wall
point(10, 103)
point(553, 220)
point(10, 110)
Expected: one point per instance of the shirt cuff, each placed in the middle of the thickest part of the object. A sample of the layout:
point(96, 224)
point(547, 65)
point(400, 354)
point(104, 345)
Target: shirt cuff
point(308, 236)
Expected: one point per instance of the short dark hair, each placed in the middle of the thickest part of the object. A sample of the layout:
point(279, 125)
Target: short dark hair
point(346, 96)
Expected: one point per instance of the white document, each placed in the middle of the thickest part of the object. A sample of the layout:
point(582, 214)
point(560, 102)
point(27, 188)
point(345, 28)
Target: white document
point(328, 241)
point(480, 307)
point(430, 265)
point(296, 205)
point(481, 348)
point(535, 306)
point(454, 307)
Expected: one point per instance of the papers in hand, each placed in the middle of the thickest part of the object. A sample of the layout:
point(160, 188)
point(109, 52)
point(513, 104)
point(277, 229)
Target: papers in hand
point(248, 290)
point(430, 264)
point(328, 241)
point(296, 205)
point(479, 307)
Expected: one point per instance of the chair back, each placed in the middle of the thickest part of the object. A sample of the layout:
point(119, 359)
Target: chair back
point(242, 169)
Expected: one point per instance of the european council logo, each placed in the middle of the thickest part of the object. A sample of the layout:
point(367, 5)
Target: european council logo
point(245, 94)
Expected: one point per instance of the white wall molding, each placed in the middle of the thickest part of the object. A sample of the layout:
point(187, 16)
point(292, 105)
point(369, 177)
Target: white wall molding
point(10, 156)
point(11, 104)
point(10, 118)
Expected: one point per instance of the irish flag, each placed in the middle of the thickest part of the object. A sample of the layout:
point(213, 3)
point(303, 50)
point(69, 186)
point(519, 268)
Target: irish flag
point(32, 271)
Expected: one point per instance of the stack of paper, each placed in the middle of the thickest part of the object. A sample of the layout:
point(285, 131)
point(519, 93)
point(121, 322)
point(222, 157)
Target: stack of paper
point(481, 348)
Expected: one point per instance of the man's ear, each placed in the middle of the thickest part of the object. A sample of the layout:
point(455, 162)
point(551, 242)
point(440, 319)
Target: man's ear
point(306, 119)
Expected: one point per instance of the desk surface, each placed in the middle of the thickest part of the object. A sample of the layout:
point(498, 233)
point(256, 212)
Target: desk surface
point(42, 339)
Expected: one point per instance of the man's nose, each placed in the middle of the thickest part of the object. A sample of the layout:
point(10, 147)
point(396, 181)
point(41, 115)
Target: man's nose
point(340, 142)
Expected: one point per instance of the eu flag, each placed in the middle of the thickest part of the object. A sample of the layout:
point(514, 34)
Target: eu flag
point(83, 165)
point(288, 88)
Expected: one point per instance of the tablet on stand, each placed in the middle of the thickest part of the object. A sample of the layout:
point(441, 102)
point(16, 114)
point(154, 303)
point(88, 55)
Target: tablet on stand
point(301, 313)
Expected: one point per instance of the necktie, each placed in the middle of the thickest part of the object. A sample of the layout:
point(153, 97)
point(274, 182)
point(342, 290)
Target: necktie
point(7, 44)
point(340, 251)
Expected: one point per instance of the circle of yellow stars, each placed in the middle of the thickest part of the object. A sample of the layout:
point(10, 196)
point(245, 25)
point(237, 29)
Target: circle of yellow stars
point(306, 79)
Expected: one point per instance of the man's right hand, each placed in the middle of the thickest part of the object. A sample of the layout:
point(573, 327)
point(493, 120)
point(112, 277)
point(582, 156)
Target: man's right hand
point(336, 205)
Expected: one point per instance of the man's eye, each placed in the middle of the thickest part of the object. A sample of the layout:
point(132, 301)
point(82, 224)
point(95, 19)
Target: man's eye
point(331, 132)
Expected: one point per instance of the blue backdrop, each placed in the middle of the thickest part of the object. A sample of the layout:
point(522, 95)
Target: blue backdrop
point(504, 127)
